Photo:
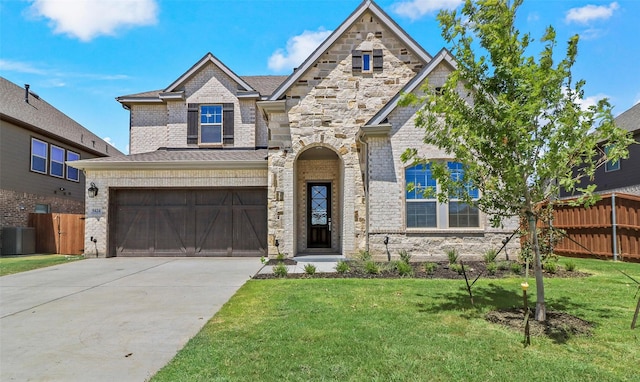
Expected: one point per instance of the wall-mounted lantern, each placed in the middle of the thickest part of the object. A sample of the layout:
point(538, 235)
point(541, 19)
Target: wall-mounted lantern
point(93, 190)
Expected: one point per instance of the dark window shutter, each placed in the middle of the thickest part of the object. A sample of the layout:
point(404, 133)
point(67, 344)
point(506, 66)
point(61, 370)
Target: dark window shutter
point(192, 123)
point(227, 123)
point(356, 61)
point(377, 60)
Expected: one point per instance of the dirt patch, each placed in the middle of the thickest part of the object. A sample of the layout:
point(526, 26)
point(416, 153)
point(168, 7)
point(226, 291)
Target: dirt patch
point(559, 326)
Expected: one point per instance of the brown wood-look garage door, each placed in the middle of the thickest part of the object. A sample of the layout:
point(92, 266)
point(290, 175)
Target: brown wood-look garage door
point(188, 222)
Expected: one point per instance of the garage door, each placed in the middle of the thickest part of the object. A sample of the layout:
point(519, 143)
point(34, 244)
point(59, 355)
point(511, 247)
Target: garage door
point(188, 222)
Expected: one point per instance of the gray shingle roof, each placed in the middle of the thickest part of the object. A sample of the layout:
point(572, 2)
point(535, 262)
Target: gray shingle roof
point(630, 119)
point(39, 116)
point(174, 157)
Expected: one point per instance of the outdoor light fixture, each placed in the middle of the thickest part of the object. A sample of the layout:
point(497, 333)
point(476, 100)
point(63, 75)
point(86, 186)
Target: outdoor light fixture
point(93, 190)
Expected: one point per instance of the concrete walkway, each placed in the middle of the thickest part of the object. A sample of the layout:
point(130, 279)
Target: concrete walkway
point(119, 319)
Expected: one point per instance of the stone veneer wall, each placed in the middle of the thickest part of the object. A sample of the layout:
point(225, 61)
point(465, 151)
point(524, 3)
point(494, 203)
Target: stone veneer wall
point(154, 179)
point(326, 107)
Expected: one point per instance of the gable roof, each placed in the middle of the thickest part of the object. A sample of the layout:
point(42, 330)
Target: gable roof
point(208, 58)
point(367, 5)
point(630, 119)
point(442, 56)
point(39, 116)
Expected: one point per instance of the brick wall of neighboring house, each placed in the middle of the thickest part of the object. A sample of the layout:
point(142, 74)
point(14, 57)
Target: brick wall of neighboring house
point(15, 207)
point(633, 190)
point(154, 179)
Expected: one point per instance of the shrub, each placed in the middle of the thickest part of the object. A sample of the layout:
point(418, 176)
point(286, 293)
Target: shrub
point(280, 256)
point(404, 268)
point(280, 270)
point(310, 269)
point(490, 256)
point(430, 267)
point(492, 267)
point(405, 256)
point(342, 267)
point(364, 256)
point(516, 268)
point(453, 256)
point(458, 268)
point(570, 266)
point(504, 265)
point(371, 268)
point(550, 266)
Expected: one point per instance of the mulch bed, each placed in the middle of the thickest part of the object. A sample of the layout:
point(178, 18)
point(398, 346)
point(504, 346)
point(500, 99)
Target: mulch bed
point(559, 326)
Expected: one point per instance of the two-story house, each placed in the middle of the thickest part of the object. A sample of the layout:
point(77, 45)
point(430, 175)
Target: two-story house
point(36, 141)
point(226, 165)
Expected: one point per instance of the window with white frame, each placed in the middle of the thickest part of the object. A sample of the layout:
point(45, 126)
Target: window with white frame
point(211, 124)
point(72, 172)
point(56, 165)
point(39, 155)
point(421, 202)
point(422, 207)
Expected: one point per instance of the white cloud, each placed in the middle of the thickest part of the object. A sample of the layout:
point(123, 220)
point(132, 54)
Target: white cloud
point(87, 19)
point(588, 13)
point(586, 102)
point(297, 50)
point(20, 67)
point(109, 141)
point(415, 9)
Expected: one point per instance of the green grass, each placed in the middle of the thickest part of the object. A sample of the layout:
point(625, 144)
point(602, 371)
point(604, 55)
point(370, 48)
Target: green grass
point(412, 330)
point(10, 265)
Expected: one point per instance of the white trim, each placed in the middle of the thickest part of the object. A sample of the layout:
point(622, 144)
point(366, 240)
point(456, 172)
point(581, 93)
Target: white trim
point(46, 158)
point(169, 165)
point(67, 169)
point(51, 161)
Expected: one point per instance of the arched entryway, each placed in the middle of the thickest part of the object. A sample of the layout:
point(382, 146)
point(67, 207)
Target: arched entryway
point(318, 203)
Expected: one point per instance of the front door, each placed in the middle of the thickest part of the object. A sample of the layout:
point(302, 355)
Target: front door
point(319, 215)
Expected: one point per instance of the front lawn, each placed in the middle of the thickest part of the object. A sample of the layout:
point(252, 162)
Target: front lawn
point(413, 330)
point(10, 265)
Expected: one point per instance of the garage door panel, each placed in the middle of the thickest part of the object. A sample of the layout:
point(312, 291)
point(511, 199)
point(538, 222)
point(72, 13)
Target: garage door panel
point(189, 222)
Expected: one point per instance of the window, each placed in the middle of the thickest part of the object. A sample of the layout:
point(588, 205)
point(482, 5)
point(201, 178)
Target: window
point(423, 210)
point(73, 173)
point(43, 209)
point(57, 162)
point(39, 156)
point(610, 166)
point(211, 124)
point(366, 62)
point(421, 207)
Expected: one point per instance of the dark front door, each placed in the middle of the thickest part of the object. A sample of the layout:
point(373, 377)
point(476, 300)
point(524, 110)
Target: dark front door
point(319, 215)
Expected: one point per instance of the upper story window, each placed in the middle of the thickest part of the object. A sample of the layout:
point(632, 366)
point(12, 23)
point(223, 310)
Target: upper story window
point(423, 209)
point(57, 162)
point(72, 172)
point(211, 124)
point(367, 61)
point(39, 151)
point(611, 166)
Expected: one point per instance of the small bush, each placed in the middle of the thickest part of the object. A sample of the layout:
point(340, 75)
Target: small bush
point(342, 267)
point(570, 266)
point(504, 265)
point(310, 269)
point(550, 266)
point(280, 270)
point(492, 268)
point(430, 268)
point(490, 256)
point(280, 256)
point(453, 256)
point(405, 256)
point(371, 267)
point(364, 256)
point(516, 268)
point(404, 269)
point(458, 268)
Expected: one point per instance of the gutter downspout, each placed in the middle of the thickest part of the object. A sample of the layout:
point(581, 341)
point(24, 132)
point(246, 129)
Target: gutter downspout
point(365, 147)
point(614, 228)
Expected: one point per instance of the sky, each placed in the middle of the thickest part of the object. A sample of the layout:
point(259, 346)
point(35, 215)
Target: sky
point(79, 55)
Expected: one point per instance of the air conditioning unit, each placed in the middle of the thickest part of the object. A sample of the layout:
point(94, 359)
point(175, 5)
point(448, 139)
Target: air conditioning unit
point(18, 240)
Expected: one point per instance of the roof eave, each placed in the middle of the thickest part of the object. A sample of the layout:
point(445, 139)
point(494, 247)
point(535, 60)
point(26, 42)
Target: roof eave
point(169, 165)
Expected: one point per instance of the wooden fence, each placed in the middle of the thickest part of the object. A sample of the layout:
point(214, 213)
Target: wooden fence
point(591, 231)
point(58, 233)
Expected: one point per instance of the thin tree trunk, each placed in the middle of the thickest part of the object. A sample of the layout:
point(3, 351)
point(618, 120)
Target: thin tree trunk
point(541, 310)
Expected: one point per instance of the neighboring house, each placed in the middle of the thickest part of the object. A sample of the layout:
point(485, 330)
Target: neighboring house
point(624, 175)
point(227, 165)
point(36, 141)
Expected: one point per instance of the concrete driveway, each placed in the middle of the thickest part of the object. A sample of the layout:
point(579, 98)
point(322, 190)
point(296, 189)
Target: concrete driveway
point(118, 319)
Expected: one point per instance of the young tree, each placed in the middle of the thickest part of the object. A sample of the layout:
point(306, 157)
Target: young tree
point(516, 122)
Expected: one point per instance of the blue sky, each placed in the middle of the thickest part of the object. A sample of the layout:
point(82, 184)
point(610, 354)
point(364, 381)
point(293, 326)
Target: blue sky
point(81, 54)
